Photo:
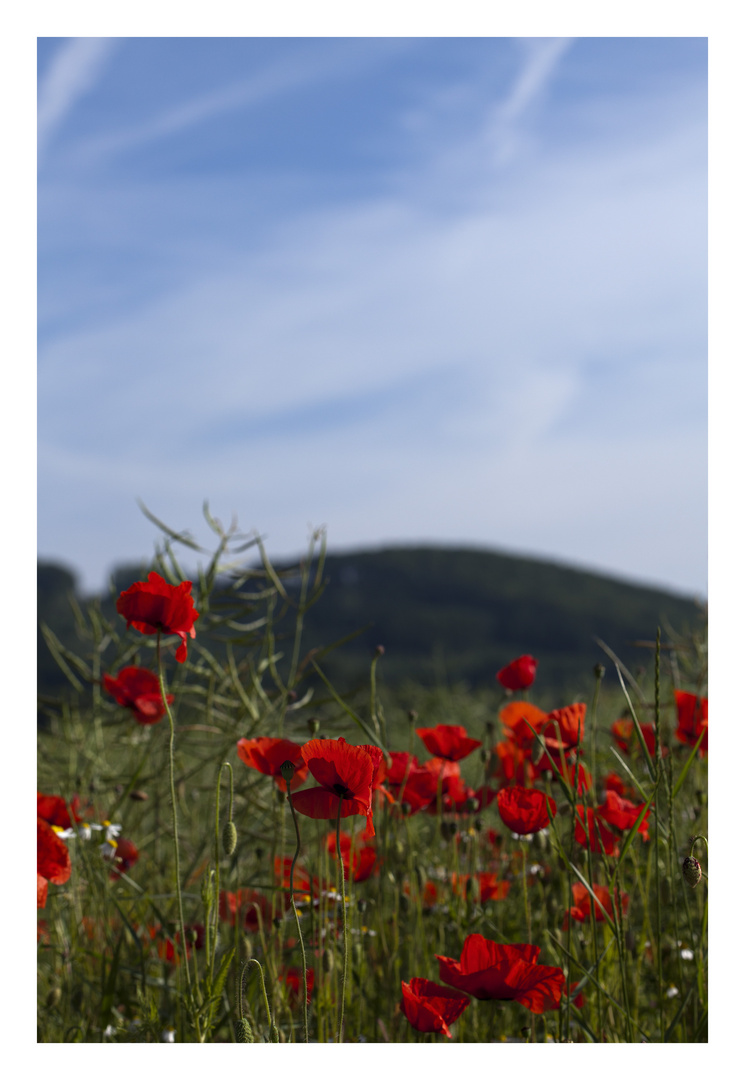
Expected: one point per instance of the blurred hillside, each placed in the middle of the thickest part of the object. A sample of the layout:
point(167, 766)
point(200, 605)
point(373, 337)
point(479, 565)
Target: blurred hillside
point(445, 616)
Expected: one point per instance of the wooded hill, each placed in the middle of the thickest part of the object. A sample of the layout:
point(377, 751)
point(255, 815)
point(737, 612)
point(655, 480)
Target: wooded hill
point(444, 616)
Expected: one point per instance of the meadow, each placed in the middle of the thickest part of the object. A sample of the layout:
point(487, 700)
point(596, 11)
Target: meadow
point(232, 848)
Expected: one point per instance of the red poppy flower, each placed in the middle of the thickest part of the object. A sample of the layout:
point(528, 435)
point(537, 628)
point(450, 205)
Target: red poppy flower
point(155, 607)
point(488, 970)
point(246, 906)
point(487, 886)
point(52, 861)
point(600, 835)
point(613, 782)
point(303, 882)
point(419, 790)
point(514, 764)
point(449, 741)
point(360, 860)
point(400, 767)
point(268, 755)
point(125, 856)
point(139, 690)
point(623, 734)
point(518, 674)
point(693, 718)
point(293, 980)
point(524, 810)
point(345, 774)
point(431, 1007)
point(584, 780)
point(622, 814)
point(53, 810)
point(570, 723)
point(581, 908)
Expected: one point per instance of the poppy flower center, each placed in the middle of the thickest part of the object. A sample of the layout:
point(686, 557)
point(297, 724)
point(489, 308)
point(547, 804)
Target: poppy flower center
point(343, 791)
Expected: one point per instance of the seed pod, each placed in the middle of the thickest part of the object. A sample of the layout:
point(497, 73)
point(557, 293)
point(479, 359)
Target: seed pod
point(314, 725)
point(327, 960)
point(287, 771)
point(691, 871)
point(243, 1033)
point(229, 838)
point(139, 796)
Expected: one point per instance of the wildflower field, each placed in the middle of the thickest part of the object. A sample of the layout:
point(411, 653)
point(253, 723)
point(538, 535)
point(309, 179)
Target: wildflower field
point(232, 849)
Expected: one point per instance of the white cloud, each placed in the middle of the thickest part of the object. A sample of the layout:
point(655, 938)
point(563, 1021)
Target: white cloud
point(73, 72)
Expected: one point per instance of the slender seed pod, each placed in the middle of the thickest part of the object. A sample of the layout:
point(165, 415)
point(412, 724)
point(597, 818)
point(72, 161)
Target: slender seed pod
point(229, 837)
point(691, 871)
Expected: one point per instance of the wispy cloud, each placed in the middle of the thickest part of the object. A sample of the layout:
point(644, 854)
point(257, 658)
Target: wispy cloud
point(73, 72)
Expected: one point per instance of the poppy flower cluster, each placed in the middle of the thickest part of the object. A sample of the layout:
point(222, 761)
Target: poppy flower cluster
point(138, 689)
point(155, 607)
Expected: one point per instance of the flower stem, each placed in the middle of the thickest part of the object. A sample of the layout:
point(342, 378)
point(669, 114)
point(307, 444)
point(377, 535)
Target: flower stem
point(295, 912)
point(344, 916)
point(171, 770)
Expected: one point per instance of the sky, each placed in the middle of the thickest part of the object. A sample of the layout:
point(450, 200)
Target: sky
point(441, 290)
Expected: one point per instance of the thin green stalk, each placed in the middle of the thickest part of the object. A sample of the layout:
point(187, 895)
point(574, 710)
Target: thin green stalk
point(287, 774)
point(344, 915)
point(171, 771)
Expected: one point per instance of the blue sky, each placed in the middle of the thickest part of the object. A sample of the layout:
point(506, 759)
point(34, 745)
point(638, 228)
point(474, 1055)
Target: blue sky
point(414, 289)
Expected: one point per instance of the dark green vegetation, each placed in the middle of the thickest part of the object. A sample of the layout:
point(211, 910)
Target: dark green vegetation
point(445, 616)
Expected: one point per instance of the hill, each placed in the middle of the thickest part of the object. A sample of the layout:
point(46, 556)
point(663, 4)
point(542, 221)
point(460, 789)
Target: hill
point(446, 616)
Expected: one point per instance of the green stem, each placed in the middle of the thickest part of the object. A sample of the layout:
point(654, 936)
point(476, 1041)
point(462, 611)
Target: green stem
point(344, 916)
point(295, 911)
point(175, 816)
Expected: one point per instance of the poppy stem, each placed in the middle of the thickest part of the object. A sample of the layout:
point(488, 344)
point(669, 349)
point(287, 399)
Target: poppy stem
point(171, 770)
point(294, 907)
point(344, 916)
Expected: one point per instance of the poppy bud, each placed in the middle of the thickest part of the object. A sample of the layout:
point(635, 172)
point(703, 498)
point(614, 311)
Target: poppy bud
point(691, 871)
point(362, 904)
point(277, 922)
point(448, 830)
point(379, 650)
point(413, 715)
point(287, 771)
point(599, 671)
point(243, 1033)
point(405, 809)
point(314, 725)
point(229, 837)
point(327, 961)
point(247, 949)
point(139, 796)
point(472, 805)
